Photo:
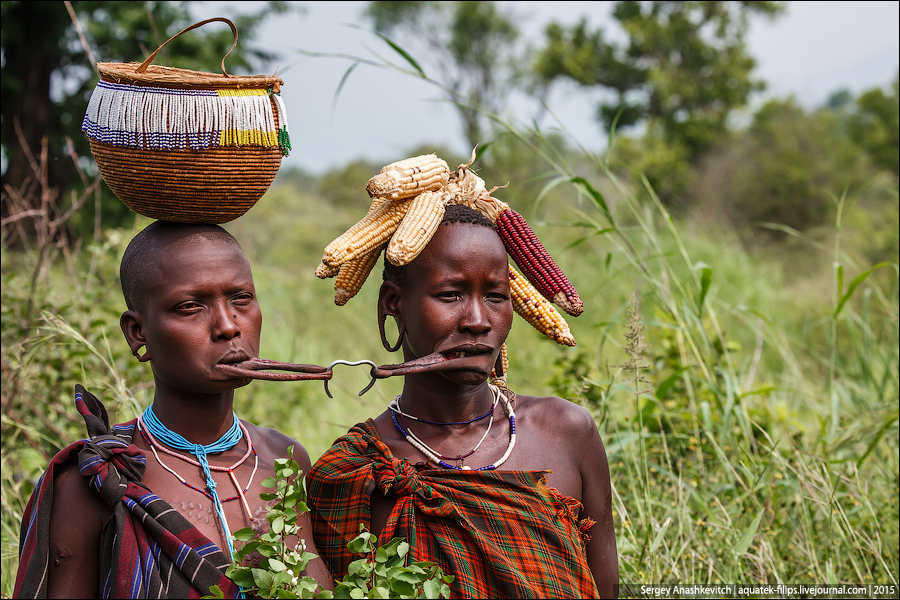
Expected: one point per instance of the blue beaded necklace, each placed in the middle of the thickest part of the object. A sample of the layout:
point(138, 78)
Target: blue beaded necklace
point(178, 442)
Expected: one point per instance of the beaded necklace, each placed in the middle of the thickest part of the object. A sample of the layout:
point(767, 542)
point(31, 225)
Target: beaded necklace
point(395, 406)
point(154, 444)
point(228, 441)
point(459, 458)
point(438, 458)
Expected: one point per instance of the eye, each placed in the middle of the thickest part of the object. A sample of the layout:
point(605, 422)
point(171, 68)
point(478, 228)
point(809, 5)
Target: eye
point(243, 299)
point(189, 307)
point(498, 298)
point(449, 296)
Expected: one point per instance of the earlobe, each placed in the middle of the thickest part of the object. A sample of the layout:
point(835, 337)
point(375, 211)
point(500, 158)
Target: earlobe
point(133, 329)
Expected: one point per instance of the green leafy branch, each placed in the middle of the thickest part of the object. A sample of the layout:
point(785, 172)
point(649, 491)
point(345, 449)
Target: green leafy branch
point(381, 573)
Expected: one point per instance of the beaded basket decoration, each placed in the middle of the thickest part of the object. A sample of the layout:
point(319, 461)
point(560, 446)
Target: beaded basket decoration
point(184, 145)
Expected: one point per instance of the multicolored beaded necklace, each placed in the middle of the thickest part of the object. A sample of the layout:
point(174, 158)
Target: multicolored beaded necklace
point(154, 444)
point(458, 459)
point(439, 459)
point(154, 428)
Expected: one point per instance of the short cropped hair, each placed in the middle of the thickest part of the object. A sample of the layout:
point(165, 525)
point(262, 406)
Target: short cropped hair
point(140, 255)
point(453, 213)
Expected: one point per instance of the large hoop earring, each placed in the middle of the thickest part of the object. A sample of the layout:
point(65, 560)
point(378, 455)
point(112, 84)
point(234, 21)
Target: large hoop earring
point(384, 341)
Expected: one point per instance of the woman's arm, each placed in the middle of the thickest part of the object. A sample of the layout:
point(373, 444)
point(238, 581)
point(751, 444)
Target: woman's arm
point(597, 500)
point(76, 524)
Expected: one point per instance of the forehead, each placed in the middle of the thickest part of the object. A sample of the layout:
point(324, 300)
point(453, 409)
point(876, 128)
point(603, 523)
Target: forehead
point(199, 259)
point(459, 247)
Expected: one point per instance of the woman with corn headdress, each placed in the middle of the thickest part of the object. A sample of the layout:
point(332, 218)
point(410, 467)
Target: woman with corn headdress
point(509, 494)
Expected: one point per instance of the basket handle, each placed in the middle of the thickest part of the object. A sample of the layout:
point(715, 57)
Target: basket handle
point(143, 66)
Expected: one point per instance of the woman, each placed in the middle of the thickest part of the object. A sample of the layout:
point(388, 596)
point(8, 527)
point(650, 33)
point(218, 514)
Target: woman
point(508, 493)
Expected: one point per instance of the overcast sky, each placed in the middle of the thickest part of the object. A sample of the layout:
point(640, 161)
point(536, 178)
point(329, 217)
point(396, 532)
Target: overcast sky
point(810, 52)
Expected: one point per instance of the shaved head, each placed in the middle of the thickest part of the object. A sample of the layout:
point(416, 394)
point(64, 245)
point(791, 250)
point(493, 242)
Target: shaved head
point(140, 258)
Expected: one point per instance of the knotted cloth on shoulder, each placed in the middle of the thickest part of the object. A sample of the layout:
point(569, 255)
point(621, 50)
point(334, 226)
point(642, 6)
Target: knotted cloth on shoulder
point(147, 549)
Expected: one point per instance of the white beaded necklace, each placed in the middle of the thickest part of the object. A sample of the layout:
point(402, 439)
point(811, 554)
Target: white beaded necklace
point(438, 458)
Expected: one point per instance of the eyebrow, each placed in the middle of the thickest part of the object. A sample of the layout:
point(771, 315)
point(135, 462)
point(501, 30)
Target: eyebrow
point(191, 289)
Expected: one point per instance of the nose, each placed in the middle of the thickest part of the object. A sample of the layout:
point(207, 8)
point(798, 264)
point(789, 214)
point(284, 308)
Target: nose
point(475, 318)
point(225, 324)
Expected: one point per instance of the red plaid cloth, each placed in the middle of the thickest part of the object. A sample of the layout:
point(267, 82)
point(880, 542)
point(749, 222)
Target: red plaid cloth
point(502, 534)
point(147, 549)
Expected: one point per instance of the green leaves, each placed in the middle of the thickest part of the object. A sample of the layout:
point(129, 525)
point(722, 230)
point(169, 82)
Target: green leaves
point(651, 76)
point(278, 573)
point(705, 281)
point(846, 295)
point(381, 573)
point(748, 536)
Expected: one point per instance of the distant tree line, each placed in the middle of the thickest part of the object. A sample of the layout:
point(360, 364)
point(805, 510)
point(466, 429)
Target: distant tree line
point(669, 87)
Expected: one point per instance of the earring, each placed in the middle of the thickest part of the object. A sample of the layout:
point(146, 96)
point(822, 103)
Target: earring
point(141, 358)
point(384, 341)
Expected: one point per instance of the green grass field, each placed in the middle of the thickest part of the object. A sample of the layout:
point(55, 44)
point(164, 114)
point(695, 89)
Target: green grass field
point(751, 421)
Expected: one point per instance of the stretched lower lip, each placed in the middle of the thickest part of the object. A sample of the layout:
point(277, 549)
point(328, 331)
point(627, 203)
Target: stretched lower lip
point(258, 368)
point(230, 368)
point(468, 362)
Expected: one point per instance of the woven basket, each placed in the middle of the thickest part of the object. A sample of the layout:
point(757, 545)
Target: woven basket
point(186, 146)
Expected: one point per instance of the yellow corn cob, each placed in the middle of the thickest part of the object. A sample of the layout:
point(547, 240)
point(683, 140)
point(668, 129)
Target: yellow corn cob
point(415, 230)
point(368, 233)
point(534, 308)
point(409, 178)
point(353, 275)
point(324, 271)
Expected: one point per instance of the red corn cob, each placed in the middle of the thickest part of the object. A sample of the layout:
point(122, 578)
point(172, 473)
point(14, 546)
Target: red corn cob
point(536, 263)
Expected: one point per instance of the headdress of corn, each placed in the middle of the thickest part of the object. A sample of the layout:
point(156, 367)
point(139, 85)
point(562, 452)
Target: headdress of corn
point(408, 200)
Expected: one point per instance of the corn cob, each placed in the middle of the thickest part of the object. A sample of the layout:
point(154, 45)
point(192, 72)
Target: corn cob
point(324, 271)
point(536, 263)
point(368, 233)
point(409, 178)
point(534, 308)
point(415, 230)
point(353, 275)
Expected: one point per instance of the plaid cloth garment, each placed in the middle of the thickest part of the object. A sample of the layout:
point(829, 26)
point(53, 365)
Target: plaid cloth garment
point(502, 534)
point(147, 548)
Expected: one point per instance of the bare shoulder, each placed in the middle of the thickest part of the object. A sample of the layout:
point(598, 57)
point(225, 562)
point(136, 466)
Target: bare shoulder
point(556, 415)
point(271, 444)
point(73, 494)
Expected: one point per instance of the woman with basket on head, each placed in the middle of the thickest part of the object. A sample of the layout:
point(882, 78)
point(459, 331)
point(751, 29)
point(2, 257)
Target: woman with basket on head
point(147, 508)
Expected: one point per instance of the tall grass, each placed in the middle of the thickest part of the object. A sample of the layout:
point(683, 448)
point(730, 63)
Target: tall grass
point(751, 428)
point(765, 450)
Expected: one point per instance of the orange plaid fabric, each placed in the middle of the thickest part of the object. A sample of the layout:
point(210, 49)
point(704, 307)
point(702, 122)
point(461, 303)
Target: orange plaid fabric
point(501, 534)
